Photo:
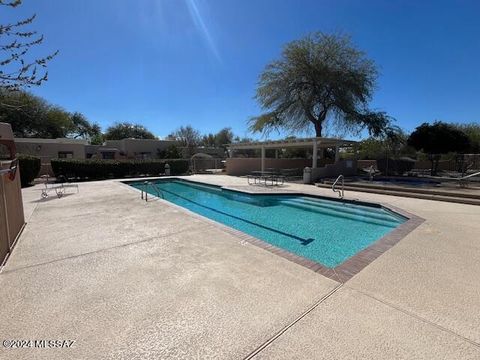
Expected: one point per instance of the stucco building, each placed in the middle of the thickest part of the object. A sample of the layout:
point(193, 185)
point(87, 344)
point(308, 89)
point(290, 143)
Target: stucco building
point(47, 149)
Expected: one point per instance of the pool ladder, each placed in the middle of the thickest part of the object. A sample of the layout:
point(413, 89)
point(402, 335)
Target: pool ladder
point(155, 187)
point(340, 192)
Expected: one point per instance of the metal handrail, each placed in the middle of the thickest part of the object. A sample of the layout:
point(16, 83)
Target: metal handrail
point(341, 192)
point(470, 176)
point(463, 181)
point(144, 190)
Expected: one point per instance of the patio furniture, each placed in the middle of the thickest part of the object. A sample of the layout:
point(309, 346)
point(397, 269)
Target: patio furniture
point(267, 178)
point(58, 188)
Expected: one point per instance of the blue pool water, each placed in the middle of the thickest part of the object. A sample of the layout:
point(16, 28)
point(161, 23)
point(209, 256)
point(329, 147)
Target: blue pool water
point(325, 231)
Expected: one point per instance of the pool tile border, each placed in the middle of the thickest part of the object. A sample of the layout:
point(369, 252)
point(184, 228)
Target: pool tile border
point(350, 267)
point(344, 271)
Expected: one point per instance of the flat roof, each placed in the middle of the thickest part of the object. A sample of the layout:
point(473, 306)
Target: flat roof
point(143, 140)
point(52, 141)
point(304, 142)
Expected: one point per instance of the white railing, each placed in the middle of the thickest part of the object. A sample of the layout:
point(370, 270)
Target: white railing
point(340, 192)
point(463, 181)
point(155, 187)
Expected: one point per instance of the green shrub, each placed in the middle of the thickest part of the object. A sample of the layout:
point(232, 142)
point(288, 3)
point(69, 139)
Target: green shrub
point(104, 169)
point(29, 168)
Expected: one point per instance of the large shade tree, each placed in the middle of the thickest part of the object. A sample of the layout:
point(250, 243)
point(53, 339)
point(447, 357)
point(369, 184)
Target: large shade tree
point(220, 139)
point(127, 130)
point(472, 130)
point(392, 143)
point(187, 136)
point(224, 137)
point(32, 116)
point(437, 139)
point(319, 78)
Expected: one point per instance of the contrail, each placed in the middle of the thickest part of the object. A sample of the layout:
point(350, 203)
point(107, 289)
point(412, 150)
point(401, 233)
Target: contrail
point(202, 27)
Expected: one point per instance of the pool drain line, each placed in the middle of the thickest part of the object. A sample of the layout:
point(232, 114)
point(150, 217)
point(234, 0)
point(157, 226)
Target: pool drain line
point(284, 329)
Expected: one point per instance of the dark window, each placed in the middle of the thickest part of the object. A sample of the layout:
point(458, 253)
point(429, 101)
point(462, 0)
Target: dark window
point(65, 154)
point(143, 155)
point(4, 152)
point(108, 155)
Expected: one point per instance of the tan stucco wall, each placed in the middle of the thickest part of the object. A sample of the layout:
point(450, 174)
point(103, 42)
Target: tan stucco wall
point(48, 150)
point(343, 167)
point(244, 166)
point(132, 147)
point(11, 205)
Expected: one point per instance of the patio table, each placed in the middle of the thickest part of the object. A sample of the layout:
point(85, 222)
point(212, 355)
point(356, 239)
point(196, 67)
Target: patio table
point(265, 176)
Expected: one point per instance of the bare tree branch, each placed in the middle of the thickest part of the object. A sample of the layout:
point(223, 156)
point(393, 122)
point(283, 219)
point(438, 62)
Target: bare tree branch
point(16, 71)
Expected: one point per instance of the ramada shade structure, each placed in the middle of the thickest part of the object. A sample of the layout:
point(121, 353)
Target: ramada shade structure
point(314, 143)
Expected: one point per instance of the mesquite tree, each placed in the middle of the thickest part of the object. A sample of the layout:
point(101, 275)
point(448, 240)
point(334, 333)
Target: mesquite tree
point(318, 78)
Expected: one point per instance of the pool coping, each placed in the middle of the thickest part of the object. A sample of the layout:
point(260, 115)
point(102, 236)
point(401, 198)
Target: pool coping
point(341, 273)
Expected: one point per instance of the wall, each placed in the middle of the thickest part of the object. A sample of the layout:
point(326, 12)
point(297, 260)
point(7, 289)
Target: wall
point(343, 167)
point(244, 166)
point(133, 148)
point(199, 164)
point(47, 149)
point(212, 151)
point(11, 211)
point(12, 218)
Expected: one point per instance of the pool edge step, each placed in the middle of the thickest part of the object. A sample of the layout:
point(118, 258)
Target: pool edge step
point(463, 199)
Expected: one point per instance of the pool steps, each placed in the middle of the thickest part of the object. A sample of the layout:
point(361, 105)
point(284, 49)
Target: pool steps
point(348, 205)
point(345, 212)
point(427, 194)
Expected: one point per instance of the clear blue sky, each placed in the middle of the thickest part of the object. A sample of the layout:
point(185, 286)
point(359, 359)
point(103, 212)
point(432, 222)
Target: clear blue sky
point(166, 63)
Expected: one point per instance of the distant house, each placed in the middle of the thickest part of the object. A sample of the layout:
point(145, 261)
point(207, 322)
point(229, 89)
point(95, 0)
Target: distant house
point(140, 148)
point(47, 149)
point(62, 148)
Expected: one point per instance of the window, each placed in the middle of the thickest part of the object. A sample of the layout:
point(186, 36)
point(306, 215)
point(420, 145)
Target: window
point(143, 155)
point(108, 155)
point(65, 154)
point(4, 152)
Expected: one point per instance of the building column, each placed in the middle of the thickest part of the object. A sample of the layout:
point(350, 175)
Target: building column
point(276, 153)
point(263, 158)
point(321, 150)
point(314, 155)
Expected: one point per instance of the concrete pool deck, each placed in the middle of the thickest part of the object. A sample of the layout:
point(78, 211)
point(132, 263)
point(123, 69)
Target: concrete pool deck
point(127, 279)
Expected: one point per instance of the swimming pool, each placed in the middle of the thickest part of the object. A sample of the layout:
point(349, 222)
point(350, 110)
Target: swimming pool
point(325, 231)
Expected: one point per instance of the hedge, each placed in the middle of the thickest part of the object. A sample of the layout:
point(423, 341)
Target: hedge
point(29, 168)
point(103, 169)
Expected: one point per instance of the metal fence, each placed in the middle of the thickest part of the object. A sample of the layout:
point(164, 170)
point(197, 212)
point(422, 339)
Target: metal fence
point(207, 165)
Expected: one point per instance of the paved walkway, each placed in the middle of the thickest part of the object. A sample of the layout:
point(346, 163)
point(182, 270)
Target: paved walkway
point(127, 279)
